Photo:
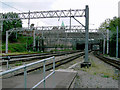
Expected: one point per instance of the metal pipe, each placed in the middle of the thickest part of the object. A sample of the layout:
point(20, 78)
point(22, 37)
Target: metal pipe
point(1, 25)
point(104, 46)
point(27, 65)
point(117, 44)
point(29, 20)
point(7, 64)
point(25, 77)
point(42, 80)
point(44, 73)
point(86, 32)
point(53, 72)
point(38, 44)
point(70, 20)
point(107, 41)
point(34, 40)
point(6, 42)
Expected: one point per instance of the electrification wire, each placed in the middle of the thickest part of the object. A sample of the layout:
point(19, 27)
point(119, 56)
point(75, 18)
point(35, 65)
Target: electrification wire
point(10, 6)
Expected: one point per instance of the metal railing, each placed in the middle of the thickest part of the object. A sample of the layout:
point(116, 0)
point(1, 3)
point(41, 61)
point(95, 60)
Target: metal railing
point(25, 71)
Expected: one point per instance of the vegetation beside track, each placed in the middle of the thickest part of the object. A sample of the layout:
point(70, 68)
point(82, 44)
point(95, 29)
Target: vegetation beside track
point(100, 68)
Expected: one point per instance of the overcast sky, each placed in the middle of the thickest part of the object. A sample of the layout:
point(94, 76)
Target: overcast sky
point(99, 10)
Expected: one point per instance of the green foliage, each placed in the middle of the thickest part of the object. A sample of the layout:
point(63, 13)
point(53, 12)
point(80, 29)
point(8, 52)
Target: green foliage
point(112, 23)
point(23, 44)
point(105, 76)
point(18, 63)
point(105, 24)
point(10, 24)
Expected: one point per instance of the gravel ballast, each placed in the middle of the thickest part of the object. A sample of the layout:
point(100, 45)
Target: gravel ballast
point(99, 75)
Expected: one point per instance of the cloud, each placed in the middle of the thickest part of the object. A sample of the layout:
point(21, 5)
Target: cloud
point(99, 9)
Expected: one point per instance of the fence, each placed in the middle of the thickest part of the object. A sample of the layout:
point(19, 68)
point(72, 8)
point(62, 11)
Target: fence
point(28, 65)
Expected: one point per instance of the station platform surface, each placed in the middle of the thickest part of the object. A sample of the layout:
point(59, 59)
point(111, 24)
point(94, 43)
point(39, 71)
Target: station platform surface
point(61, 79)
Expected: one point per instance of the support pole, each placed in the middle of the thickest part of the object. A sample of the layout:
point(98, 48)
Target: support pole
point(54, 71)
point(44, 74)
point(86, 32)
point(34, 40)
point(16, 34)
point(38, 45)
point(6, 42)
point(107, 41)
point(25, 78)
point(86, 63)
point(29, 20)
point(104, 46)
point(117, 44)
point(70, 19)
point(1, 25)
point(66, 41)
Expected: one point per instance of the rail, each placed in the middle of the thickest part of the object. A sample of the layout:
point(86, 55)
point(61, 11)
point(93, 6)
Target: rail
point(25, 71)
point(111, 61)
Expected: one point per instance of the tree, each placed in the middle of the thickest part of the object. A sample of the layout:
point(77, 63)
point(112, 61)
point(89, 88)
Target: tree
point(104, 25)
point(10, 24)
point(112, 23)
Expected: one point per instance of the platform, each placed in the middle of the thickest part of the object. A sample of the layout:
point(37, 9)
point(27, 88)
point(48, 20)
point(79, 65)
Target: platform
point(62, 79)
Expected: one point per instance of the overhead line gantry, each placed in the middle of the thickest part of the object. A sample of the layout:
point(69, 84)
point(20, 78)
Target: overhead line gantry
point(55, 14)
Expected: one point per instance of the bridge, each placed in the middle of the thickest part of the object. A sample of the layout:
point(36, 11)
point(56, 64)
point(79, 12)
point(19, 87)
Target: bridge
point(59, 35)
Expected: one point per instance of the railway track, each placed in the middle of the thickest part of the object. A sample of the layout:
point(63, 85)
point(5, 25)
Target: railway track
point(48, 65)
point(113, 62)
point(30, 57)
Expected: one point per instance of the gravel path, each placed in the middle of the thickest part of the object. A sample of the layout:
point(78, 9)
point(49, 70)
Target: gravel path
point(85, 80)
point(99, 75)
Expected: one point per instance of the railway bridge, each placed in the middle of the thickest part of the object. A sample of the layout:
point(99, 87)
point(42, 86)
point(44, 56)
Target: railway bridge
point(59, 36)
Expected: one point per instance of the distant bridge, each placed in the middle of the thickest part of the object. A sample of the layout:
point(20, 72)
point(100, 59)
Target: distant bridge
point(61, 34)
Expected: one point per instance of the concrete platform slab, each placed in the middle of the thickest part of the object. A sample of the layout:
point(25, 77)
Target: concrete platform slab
point(61, 79)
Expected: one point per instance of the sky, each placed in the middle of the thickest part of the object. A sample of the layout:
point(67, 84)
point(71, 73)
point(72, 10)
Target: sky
point(99, 10)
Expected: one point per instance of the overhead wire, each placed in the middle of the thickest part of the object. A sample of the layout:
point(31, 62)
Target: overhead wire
point(11, 6)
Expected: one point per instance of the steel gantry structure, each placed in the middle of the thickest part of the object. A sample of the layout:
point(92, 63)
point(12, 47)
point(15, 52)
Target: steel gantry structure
point(55, 14)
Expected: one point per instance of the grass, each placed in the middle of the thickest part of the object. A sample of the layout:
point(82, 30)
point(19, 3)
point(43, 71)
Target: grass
point(54, 50)
point(105, 76)
point(19, 53)
point(19, 63)
point(19, 45)
point(100, 69)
